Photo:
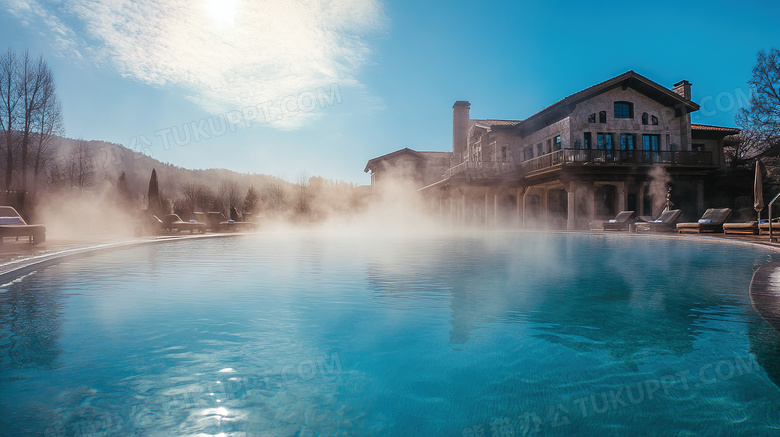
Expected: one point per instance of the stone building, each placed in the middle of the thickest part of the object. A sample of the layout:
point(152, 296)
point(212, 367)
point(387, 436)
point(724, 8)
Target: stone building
point(614, 146)
point(420, 168)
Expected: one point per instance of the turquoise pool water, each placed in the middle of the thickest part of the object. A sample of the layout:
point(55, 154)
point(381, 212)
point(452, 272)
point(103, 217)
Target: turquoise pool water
point(496, 334)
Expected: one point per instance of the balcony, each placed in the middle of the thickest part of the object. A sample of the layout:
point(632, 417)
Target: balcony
point(473, 170)
point(614, 158)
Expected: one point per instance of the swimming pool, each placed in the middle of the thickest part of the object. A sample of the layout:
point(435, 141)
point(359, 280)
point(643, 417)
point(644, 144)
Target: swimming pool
point(493, 334)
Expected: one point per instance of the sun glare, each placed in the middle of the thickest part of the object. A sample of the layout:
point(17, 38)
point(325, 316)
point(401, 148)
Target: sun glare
point(221, 12)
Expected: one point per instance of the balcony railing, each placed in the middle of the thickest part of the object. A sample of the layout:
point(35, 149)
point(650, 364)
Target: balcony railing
point(612, 158)
point(480, 169)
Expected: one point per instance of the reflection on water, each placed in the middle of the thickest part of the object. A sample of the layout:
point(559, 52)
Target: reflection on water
point(305, 335)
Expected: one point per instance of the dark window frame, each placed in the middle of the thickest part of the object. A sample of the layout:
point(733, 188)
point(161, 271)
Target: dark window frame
point(602, 116)
point(623, 109)
point(645, 118)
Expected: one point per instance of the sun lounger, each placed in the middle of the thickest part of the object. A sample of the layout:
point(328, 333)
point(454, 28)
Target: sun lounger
point(763, 227)
point(13, 225)
point(173, 222)
point(234, 226)
point(213, 219)
point(711, 221)
point(665, 223)
point(745, 228)
point(619, 223)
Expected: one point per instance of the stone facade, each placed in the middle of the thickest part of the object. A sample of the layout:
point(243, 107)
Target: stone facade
point(614, 146)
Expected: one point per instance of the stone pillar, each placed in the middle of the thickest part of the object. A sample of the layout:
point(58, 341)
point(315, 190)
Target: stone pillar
point(495, 210)
point(518, 217)
point(700, 197)
point(463, 208)
point(641, 198)
point(571, 220)
point(621, 189)
point(525, 208)
point(486, 207)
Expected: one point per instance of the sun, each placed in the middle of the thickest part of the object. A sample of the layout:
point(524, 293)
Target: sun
point(221, 12)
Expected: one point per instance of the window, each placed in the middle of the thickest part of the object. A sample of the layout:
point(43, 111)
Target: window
point(557, 142)
point(577, 144)
point(650, 142)
point(627, 141)
point(539, 149)
point(528, 153)
point(604, 141)
point(592, 118)
point(654, 120)
point(586, 144)
point(644, 118)
point(624, 110)
point(549, 146)
point(603, 117)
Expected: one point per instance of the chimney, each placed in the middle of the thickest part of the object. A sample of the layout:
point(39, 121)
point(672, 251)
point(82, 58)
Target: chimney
point(460, 129)
point(683, 88)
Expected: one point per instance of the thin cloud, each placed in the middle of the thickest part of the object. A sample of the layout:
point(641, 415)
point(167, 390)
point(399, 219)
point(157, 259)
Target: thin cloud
point(225, 54)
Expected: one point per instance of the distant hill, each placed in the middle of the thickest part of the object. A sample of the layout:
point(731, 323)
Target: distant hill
point(110, 160)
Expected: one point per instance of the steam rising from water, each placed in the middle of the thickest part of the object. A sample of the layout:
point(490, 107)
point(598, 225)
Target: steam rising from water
point(658, 187)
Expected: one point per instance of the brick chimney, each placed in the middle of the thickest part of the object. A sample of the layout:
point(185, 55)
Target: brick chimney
point(683, 88)
point(460, 129)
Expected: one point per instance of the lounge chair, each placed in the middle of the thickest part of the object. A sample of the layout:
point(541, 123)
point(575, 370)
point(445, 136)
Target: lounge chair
point(763, 227)
point(13, 225)
point(665, 223)
point(173, 222)
point(711, 221)
point(234, 226)
point(213, 219)
point(743, 228)
point(619, 223)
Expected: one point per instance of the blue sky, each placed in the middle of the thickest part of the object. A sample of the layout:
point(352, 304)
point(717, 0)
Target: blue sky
point(343, 81)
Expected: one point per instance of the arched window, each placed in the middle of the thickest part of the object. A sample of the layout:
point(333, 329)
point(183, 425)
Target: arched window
point(603, 117)
point(624, 110)
point(644, 118)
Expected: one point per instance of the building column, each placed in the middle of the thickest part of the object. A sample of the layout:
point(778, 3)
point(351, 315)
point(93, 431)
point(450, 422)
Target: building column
point(525, 208)
point(621, 189)
point(546, 212)
point(495, 210)
point(518, 217)
point(641, 198)
point(700, 196)
point(463, 208)
point(486, 207)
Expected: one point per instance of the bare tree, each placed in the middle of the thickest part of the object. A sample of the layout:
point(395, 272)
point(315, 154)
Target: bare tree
point(80, 165)
point(302, 195)
point(229, 195)
point(49, 124)
point(33, 74)
point(196, 196)
point(760, 122)
point(277, 196)
point(10, 95)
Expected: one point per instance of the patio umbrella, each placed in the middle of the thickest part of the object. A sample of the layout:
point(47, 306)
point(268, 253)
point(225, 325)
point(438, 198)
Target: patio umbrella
point(758, 191)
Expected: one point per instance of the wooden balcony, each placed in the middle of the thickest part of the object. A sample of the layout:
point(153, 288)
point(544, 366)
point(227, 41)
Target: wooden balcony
point(474, 170)
point(614, 158)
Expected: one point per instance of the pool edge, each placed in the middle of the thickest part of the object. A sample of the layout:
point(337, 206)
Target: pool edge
point(19, 268)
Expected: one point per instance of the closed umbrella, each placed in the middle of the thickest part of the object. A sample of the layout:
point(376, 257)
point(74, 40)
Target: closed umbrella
point(758, 191)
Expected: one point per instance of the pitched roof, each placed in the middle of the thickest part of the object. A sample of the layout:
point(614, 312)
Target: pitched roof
point(405, 151)
point(492, 122)
point(628, 79)
point(711, 128)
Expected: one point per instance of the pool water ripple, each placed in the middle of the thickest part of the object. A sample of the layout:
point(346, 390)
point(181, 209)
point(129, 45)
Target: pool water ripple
point(305, 334)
